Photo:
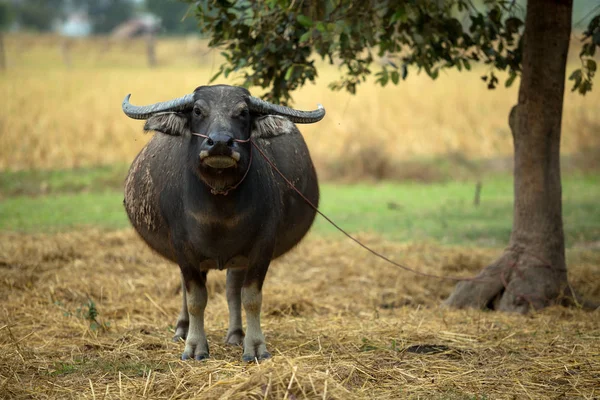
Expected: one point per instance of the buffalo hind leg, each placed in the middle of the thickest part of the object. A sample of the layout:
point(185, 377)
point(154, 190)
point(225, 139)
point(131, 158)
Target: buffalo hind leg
point(254, 342)
point(183, 321)
point(235, 279)
point(196, 345)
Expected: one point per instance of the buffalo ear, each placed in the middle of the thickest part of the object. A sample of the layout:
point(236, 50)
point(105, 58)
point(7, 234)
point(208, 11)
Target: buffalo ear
point(268, 126)
point(170, 123)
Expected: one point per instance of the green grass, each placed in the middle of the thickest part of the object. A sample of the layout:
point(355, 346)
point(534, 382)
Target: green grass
point(444, 212)
point(441, 212)
point(86, 366)
point(58, 212)
point(41, 182)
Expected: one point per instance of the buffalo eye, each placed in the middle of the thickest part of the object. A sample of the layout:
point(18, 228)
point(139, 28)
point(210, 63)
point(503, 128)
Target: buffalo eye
point(197, 111)
point(242, 114)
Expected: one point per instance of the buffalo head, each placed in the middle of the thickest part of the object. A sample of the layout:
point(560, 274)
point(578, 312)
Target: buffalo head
point(218, 122)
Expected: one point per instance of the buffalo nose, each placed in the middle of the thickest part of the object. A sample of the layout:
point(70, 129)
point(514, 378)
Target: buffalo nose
point(219, 140)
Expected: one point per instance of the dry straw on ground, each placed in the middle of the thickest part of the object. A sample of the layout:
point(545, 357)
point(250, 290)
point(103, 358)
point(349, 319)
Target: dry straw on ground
point(341, 325)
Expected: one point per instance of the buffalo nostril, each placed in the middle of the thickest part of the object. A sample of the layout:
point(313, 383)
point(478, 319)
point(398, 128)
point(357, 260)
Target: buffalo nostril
point(210, 142)
point(230, 143)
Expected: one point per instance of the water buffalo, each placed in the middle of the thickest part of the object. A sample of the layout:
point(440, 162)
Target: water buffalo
point(201, 195)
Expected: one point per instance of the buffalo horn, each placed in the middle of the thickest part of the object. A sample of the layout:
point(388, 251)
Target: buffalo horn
point(300, 117)
point(144, 112)
point(256, 105)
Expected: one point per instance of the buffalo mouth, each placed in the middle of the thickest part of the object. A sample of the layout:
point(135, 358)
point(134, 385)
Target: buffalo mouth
point(220, 160)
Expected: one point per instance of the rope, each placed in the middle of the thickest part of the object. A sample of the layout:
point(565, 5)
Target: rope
point(364, 246)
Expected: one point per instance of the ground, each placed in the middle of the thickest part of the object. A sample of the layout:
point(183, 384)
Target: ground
point(89, 314)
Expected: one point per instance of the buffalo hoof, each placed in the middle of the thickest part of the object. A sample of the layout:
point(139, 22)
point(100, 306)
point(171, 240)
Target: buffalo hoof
point(250, 358)
point(195, 348)
point(235, 338)
point(198, 357)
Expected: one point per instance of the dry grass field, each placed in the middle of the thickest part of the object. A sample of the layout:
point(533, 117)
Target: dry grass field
point(52, 116)
point(339, 324)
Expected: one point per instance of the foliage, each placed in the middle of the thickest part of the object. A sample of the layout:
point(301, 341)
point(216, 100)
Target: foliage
point(89, 312)
point(107, 14)
point(38, 15)
point(6, 15)
point(591, 39)
point(173, 16)
point(271, 41)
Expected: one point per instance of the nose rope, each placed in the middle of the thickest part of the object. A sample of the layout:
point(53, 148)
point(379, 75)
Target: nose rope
point(235, 140)
point(226, 191)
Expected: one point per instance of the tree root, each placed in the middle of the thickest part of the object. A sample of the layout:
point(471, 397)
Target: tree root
point(516, 282)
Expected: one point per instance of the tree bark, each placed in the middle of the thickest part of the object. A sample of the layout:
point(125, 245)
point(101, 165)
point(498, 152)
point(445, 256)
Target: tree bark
point(532, 272)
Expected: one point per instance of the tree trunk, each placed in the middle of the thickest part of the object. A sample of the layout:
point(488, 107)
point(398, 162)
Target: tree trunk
point(532, 272)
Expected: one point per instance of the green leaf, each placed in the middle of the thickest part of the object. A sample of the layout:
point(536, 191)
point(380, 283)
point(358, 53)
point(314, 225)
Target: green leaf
point(400, 15)
point(215, 76)
point(395, 77)
point(510, 79)
point(288, 73)
point(304, 20)
point(467, 64)
point(383, 77)
point(591, 65)
point(585, 86)
point(576, 75)
point(305, 37)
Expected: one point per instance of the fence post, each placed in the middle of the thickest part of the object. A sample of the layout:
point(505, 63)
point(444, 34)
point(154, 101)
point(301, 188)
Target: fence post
point(65, 49)
point(151, 49)
point(477, 198)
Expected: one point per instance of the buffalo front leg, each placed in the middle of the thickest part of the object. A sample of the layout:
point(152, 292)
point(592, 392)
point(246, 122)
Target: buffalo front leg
point(235, 280)
point(196, 345)
point(255, 347)
point(183, 321)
